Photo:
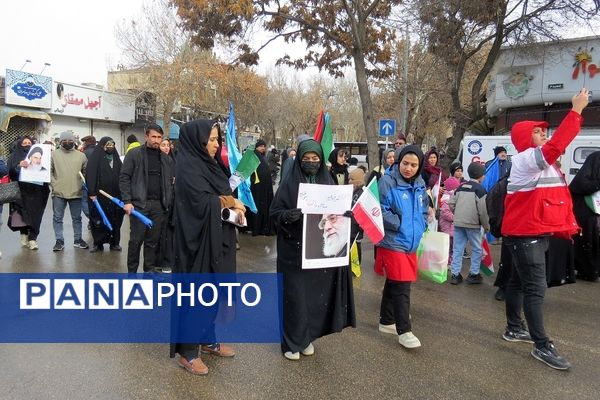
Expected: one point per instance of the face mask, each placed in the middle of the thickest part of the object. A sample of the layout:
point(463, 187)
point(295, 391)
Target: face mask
point(109, 150)
point(68, 146)
point(310, 167)
point(26, 148)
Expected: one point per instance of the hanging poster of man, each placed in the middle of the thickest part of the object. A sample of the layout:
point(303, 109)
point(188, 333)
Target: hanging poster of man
point(36, 166)
point(326, 234)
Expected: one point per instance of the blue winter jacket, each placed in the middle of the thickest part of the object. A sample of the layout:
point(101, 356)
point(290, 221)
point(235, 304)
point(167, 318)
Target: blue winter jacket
point(404, 207)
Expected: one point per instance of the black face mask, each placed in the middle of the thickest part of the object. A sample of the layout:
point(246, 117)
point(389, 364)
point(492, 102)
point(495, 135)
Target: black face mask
point(109, 151)
point(310, 167)
point(26, 148)
point(68, 146)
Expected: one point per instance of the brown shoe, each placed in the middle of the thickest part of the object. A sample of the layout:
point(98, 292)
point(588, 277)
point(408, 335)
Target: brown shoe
point(196, 366)
point(219, 349)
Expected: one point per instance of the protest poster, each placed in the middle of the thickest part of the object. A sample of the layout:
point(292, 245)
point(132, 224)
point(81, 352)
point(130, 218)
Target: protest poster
point(38, 168)
point(326, 232)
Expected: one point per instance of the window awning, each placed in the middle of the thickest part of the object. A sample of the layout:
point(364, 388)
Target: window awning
point(6, 113)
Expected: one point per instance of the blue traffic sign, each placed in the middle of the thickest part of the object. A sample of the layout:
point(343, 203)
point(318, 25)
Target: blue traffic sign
point(387, 127)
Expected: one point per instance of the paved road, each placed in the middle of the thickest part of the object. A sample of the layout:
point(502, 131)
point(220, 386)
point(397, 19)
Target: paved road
point(463, 355)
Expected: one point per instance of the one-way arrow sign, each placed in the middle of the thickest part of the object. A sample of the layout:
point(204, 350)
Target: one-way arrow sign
point(387, 127)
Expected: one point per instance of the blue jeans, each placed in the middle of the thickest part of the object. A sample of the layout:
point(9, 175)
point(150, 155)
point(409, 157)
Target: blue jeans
point(84, 204)
point(461, 237)
point(58, 206)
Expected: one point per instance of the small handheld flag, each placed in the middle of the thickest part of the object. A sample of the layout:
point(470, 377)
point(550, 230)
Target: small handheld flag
point(367, 212)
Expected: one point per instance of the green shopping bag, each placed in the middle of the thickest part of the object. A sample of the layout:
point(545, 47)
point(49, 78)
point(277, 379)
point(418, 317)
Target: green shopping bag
point(432, 256)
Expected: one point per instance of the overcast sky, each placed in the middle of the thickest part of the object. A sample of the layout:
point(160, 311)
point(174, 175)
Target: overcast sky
point(75, 37)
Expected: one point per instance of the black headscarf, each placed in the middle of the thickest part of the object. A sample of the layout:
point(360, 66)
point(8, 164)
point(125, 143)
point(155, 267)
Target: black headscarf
point(337, 168)
point(199, 181)
point(410, 149)
point(99, 174)
point(287, 193)
point(17, 155)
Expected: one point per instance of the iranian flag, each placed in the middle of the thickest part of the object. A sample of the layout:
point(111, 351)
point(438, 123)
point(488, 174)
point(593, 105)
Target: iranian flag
point(487, 263)
point(367, 212)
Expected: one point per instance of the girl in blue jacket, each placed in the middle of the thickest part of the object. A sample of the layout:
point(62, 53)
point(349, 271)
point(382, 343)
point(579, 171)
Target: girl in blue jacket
point(404, 204)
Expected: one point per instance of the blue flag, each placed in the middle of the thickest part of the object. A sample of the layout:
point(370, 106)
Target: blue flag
point(234, 155)
point(492, 176)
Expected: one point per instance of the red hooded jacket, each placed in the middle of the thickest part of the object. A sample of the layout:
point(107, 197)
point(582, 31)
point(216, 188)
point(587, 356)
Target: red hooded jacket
point(538, 201)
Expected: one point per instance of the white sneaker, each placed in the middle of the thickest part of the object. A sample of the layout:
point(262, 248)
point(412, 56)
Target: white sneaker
point(33, 245)
point(292, 356)
point(24, 240)
point(391, 328)
point(309, 350)
point(409, 340)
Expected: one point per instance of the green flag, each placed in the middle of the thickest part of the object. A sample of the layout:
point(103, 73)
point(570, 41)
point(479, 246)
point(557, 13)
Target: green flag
point(327, 139)
point(247, 165)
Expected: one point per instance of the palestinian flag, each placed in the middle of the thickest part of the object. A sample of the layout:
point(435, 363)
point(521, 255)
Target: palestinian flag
point(367, 212)
point(487, 263)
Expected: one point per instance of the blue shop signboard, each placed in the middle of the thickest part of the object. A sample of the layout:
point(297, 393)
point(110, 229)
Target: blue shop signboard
point(26, 89)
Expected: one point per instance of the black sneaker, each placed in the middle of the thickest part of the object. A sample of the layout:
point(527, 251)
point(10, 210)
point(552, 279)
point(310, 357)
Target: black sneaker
point(520, 335)
point(80, 244)
point(59, 246)
point(456, 279)
point(549, 356)
point(474, 279)
point(167, 270)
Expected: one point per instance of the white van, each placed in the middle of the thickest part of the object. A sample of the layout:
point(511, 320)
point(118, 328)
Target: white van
point(481, 149)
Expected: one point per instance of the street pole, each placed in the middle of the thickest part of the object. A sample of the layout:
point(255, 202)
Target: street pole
point(405, 100)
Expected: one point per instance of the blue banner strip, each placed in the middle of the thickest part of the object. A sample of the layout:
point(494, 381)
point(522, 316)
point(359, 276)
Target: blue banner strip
point(140, 308)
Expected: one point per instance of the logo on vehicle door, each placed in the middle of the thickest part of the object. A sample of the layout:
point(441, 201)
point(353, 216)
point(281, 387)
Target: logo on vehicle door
point(474, 147)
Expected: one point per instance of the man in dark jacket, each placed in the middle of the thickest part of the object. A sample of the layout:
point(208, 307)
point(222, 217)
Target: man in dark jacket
point(146, 183)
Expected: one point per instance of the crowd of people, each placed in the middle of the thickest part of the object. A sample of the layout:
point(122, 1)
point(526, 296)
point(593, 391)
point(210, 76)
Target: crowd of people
point(191, 204)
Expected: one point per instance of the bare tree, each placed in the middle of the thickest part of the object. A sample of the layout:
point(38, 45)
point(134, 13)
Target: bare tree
point(338, 34)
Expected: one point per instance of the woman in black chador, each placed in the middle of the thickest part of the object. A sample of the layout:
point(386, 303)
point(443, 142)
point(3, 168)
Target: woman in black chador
point(316, 302)
point(587, 245)
point(204, 243)
point(102, 173)
point(262, 192)
point(34, 197)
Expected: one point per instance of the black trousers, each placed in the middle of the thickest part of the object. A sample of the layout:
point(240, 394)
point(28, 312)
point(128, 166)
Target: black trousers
point(149, 237)
point(527, 285)
point(505, 268)
point(395, 305)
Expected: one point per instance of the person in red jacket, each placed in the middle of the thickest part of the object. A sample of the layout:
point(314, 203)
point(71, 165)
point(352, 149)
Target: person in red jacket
point(537, 205)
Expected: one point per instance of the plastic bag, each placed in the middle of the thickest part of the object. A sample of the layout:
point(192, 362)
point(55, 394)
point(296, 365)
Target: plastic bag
point(432, 256)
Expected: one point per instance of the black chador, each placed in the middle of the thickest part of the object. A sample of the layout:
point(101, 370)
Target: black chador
point(587, 245)
point(316, 302)
point(102, 173)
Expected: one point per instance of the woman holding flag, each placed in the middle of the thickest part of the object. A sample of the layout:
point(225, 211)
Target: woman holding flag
point(405, 206)
point(102, 173)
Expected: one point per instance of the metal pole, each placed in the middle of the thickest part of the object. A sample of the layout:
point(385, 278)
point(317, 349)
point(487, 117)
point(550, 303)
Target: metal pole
point(405, 99)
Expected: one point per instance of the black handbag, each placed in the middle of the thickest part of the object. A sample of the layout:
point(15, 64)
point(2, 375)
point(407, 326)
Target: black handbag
point(9, 192)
